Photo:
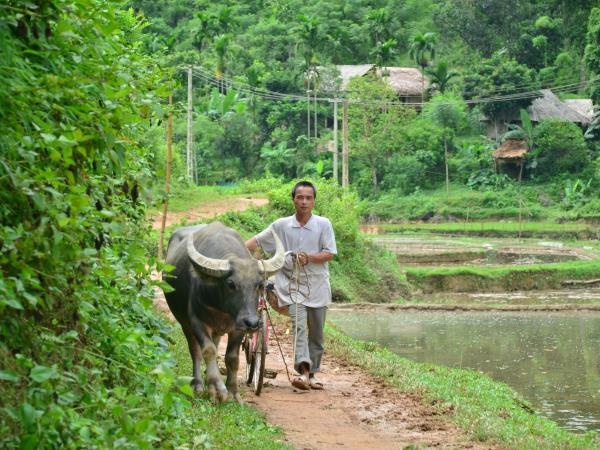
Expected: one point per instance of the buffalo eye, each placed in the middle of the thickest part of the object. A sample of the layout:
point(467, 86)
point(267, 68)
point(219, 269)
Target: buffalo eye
point(230, 284)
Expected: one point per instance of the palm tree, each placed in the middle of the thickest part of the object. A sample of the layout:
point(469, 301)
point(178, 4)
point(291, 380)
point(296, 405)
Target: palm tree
point(422, 50)
point(221, 47)
point(336, 37)
point(205, 30)
point(379, 21)
point(439, 76)
point(384, 51)
point(308, 37)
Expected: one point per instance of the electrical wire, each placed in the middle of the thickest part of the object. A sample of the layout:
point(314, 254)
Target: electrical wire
point(205, 76)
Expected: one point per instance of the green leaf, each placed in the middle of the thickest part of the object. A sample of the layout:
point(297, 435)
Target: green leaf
point(187, 390)
point(12, 302)
point(40, 374)
point(29, 442)
point(27, 415)
point(49, 138)
point(9, 375)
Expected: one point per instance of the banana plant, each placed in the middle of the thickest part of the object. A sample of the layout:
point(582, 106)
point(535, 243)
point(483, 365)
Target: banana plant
point(220, 105)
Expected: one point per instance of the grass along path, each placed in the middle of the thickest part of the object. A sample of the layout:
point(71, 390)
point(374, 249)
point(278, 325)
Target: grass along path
point(487, 410)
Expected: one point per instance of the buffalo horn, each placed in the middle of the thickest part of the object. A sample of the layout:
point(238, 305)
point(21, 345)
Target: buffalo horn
point(214, 267)
point(269, 266)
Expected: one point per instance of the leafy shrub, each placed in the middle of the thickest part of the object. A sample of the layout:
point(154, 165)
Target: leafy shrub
point(84, 357)
point(424, 141)
point(404, 173)
point(559, 148)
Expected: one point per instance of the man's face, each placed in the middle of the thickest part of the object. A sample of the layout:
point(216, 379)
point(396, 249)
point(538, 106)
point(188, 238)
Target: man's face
point(304, 200)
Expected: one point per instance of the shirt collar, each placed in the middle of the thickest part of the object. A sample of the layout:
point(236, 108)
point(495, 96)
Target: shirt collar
point(295, 224)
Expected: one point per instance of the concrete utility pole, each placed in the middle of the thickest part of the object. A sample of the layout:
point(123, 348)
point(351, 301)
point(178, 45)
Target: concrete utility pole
point(190, 152)
point(345, 145)
point(335, 140)
point(167, 178)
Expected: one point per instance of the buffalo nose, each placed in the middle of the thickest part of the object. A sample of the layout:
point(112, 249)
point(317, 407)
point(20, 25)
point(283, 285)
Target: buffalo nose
point(251, 323)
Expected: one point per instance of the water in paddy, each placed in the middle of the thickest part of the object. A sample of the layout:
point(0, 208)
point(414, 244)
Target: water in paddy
point(552, 359)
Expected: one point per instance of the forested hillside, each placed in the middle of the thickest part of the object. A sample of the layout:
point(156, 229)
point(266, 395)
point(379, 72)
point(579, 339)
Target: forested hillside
point(471, 52)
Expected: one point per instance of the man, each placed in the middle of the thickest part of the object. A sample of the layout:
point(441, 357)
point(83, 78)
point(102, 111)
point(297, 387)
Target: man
point(303, 283)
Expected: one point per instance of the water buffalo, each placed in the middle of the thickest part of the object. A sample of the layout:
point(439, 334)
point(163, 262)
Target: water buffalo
point(215, 291)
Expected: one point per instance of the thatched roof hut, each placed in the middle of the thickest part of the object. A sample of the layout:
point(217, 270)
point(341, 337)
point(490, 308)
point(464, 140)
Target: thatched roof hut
point(353, 70)
point(406, 81)
point(583, 106)
point(511, 149)
point(549, 106)
point(510, 157)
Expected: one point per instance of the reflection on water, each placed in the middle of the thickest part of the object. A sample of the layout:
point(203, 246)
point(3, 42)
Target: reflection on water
point(552, 359)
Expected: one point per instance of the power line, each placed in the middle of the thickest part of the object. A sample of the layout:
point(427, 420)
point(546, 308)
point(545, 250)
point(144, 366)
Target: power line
point(242, 87)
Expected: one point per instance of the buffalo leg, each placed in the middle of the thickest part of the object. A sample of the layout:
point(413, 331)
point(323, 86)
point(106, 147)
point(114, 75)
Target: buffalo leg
point(232, 361)
point(196, 354)
point(216, 388)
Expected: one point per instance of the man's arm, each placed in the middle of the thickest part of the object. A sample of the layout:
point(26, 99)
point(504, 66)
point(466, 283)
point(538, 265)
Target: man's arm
point(319, 258)
point(252, 244)
point(315, 258)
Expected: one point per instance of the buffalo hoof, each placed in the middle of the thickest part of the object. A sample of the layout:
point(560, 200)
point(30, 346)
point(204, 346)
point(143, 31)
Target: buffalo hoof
point(236, 397)
point(217, 395)
point(197, 386)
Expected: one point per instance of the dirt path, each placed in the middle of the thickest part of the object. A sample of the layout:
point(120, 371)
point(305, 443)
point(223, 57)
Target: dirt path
point(210, 209)
point(355, 411)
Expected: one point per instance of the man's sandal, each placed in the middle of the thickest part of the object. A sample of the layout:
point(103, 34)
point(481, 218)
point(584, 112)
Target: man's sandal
point(301, 383)
point(315, 384)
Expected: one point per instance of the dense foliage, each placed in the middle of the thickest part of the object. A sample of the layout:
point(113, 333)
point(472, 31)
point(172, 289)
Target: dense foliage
point(472, 51)
point(84, 360)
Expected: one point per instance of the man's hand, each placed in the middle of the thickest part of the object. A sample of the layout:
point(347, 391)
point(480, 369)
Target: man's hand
point(302, 258)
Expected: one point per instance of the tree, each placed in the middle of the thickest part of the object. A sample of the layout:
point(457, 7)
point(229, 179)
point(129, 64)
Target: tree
point(500, 76)
point(592, 54)
point(449, 113)
point(221, 47)
point(379, 23)
point(373, 126)
point(439, 76)
point(422, 51)
point(308, 38)
point(560, 148)
point(384, 51)
point(485, 26)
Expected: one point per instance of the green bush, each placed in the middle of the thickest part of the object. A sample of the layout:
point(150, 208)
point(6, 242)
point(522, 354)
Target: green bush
point(559, 148)
point(423, 140)
point(404, 173)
